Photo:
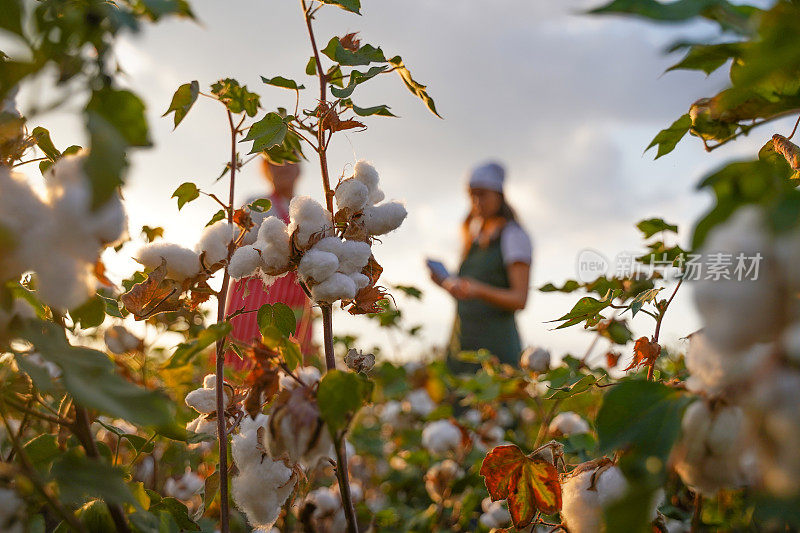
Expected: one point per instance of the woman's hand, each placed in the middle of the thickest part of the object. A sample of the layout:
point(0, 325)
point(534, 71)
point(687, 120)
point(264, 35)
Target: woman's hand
point(461, 288)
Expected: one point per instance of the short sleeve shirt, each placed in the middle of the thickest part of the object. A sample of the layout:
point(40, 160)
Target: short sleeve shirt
point(515, 244)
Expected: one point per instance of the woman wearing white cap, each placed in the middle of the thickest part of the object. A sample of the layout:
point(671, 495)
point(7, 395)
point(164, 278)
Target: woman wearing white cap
point(492, 281)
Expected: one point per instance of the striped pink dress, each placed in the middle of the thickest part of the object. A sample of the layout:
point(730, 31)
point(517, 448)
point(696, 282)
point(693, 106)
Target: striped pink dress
point(250, 293)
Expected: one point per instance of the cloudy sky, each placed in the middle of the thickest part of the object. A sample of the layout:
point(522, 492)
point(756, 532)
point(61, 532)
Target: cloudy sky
point(568, 102)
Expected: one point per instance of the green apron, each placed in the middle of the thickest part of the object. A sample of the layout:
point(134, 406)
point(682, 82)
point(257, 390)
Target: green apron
point(480, 324)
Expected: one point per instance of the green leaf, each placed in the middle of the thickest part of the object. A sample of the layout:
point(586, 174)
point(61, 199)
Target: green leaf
point(668, 139)
point(416, 88)
point(42, 137)
point(178, 511)
point(90, 314)
point(651, 226)
point(182, 101)
point(311, 66)
point(11, 16)
point(280, 81)
point(219, 215)
point(642, 298)
point(267, 132)
point(111, 306)
point(356, 78)
point(643, 417)
point(363, 56)
point(290, 351)
point(587, 309)
point(283, 318)
point(237, 98)
point(42, 450)
point(340, 396)
point(708, 58)
point(727, 14)
point(578, 387)
point(124, 111)
point(379, 110)
point(187, 351)
point(353, 6)
point(185, 193)
point(91, 378)
point(79, 478)
point(617, 332)
point(262, 205)
point(211, 488)
point(569, 286)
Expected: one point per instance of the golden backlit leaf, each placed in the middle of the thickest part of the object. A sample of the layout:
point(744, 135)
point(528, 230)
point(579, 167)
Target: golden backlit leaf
point(154, 295)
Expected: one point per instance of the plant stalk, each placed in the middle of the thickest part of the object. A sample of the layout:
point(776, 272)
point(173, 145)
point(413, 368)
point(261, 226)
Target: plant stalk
point(222, 297)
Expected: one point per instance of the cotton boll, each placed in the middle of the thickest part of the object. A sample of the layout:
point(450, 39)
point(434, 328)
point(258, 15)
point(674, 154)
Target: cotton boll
point(352, 194)
point(568, 423)
point(708, 456)
point(261, 490)
point(360, 280)
point(317, 265)
point(273, 231)
point(210, 381)
point(582, 505)
point(308, 375)
point(712, 371)
point(245, 446)
point(274, 259)
point(330, 244)
point(192, 424)
point(110, 223)
point(381, 219)
point(376, 196)
point(205, 400)
point(535, 359)
point(184, 487)
point(419, 402)
point(391, 411)
point(182, 263)
point(495, 515)
point(119, 340)
point(244, 262)
point(65, 282)
point(441, 477)
point(337, 287)
point(326, 502)
point(353, 256)
point(366, 174)
point(308, 218)
point(738, 313)
point(441, 437)
point(214, 241)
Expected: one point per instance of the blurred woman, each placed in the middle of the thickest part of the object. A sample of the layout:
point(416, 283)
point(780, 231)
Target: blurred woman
point(250, 293)
point(492, 281)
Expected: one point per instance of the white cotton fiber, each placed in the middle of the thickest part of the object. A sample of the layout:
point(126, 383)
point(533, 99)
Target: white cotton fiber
point(353, 256)
point(273, 231)
point(214, 242)
point(352, 194)
point(376, 196)
point(244, 262)
point(582, 504)
point(337, 287)
point(330, 244)
point(381, 219)
point(274, 259)
point(205, 400)
point(366, 174)
point(245, 447)
point(317, 265)
point(182, 263)
point(65, 282)
point(110, 223)
point(261, 489)
point(308, 375)
point(712, 371)
point(210, 381)
point(360, 280)
point(568, 423)
point(308, 218)
point(440, 437)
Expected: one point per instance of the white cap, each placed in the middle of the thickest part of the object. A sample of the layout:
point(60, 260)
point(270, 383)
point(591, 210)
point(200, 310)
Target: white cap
point(488, 176)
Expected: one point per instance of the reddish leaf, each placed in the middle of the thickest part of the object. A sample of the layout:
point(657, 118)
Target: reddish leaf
point(367, 300)
point(611, 359)
point(154, 295)
point(100, 273)
point(529, 484)
point(242, 219)
point(350, 42)
point(263, 380)
point(645, 352)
